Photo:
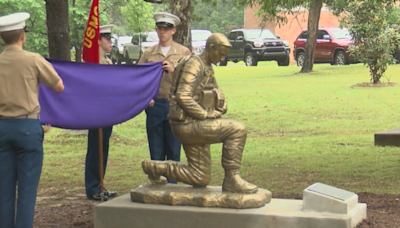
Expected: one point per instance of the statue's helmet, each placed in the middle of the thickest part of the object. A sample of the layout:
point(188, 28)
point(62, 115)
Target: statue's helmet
point(217, 39)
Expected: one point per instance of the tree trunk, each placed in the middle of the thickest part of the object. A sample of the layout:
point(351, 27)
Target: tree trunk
point(78, 54)
point(58, 29)
point(76, 36)
point(313, 23)
point(181, 8)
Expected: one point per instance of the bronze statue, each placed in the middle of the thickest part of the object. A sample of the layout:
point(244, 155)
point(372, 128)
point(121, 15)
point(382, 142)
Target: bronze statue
point(196, 106)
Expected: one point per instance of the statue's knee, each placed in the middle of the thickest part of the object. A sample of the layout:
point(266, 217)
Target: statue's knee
point(240, 129)
point(202, 180)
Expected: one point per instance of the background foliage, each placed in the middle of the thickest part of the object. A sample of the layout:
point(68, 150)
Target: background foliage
point(375, 42)
point(125, 15)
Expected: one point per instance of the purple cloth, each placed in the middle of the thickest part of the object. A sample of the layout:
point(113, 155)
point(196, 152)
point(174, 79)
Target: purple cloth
point(97, 95)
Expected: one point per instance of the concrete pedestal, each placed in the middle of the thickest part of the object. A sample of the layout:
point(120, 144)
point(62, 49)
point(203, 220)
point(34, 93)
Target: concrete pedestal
point(121, 212)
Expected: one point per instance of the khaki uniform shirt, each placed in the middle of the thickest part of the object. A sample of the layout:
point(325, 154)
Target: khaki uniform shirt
point(20, 74)
point(105, 60)
point(154, 54)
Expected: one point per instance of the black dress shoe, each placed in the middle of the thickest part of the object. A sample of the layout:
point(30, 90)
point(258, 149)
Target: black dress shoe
point(97, 196)
point(109, 193)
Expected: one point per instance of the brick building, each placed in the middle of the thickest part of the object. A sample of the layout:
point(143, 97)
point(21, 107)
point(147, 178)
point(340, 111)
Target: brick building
point(295, 23)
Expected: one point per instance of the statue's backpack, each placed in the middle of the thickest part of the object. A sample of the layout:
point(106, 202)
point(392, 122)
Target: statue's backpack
point(175, 112)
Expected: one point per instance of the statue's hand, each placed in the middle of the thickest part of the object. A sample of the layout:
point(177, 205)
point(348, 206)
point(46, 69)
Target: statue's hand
point(221, 103)
point(214, 115)
point(224, 108)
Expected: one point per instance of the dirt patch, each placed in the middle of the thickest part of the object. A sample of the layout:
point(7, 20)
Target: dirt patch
point(382, 210)
point(372, 85)
point(65, 215)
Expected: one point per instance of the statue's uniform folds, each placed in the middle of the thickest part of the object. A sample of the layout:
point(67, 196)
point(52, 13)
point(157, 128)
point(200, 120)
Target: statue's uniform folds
point(198, 95)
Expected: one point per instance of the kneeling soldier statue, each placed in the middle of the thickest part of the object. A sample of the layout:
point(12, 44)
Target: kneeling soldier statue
point(196, 104)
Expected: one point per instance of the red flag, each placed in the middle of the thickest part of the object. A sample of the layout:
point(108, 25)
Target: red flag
point(90, 50)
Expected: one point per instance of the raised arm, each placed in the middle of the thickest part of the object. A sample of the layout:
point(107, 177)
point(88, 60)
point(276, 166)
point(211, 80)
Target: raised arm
point(48, 75)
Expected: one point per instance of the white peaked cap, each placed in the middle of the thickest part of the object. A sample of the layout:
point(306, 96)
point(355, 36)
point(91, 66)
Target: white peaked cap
point(106, 28)
point(166, 19)
point(13, 21)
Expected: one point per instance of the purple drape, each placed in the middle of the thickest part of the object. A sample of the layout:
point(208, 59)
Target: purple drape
point(97, 95)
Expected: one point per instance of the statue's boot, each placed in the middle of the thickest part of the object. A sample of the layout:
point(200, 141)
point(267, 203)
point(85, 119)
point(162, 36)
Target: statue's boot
point(196, 174)
point(154, 170)
point(231, 162)
point(235, 184)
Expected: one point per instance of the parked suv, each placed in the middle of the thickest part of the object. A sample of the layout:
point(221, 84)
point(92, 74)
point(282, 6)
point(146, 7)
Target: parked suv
point(117, 51)
point(254, 45)
point(332, 47)
point(139, 43)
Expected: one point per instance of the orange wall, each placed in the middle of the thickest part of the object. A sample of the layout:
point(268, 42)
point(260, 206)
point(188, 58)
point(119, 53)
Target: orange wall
point(295, 23)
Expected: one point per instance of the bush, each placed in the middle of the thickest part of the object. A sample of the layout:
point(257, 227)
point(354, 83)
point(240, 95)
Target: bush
point(373, 24)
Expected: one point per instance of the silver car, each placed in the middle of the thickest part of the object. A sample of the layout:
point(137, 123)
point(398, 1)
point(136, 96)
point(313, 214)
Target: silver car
point(199, 39)
point(117, 51)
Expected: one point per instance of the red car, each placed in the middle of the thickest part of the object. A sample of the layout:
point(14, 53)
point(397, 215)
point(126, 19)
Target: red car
point(331, 47)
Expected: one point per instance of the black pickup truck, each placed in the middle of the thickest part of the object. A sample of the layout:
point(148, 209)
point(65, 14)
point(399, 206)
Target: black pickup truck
point(254, 45)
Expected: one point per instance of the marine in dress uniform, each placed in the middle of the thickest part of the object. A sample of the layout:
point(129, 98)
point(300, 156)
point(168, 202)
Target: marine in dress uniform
point(21, 135)
point(92, 167)
point(162, 143)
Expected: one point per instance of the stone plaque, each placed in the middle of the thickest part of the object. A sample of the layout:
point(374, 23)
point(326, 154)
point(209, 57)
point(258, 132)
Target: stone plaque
point(330, 191)
point(388, 138)
point(396, 131)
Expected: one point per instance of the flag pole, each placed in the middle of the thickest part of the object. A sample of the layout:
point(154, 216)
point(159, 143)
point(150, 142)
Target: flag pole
point(103, 197)
point(90, 53)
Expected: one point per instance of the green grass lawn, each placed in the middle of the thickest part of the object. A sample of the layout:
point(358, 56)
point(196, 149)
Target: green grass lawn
point(302, 129)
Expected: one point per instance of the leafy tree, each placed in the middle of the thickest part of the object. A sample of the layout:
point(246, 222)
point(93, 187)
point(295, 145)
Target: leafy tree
point(209, 16)
point(37, 40)
point(37, 36)
point(138, 16)
point(373, 24)
point(393, 17)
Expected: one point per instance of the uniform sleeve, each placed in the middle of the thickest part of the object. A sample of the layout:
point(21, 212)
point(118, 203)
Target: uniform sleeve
point(46, 72)
point(187, 51)
point(144, 57)
point(186, 89)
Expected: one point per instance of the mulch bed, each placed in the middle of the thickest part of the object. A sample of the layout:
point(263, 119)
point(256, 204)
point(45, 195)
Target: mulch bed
point(383, 211)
